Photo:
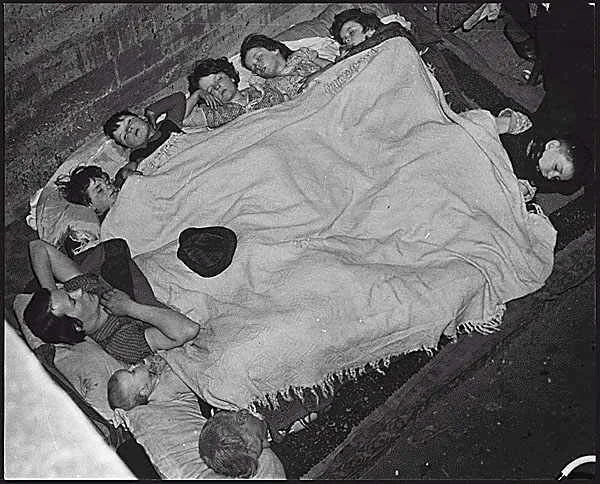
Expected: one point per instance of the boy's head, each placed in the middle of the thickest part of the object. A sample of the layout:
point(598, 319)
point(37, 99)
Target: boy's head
point(130, 388)
point(231, 443)
point(263, 55)
point(353, 26)
point(90, 186)
point(128, 129)
point(562, 158)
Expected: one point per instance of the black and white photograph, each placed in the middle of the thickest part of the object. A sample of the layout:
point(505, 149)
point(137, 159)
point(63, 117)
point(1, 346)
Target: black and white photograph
point(301, 241)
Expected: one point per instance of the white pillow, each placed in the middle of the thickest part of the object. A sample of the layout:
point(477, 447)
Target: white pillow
point(169, 431)
point(56, 218)
point(48, 207)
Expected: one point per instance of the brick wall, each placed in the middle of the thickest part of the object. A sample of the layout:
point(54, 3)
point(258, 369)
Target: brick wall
point(68, 67)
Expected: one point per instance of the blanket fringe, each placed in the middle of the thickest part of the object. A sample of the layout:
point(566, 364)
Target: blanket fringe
point(484, 327)
point(326, 388)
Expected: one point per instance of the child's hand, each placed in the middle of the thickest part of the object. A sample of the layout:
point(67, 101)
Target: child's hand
point(117, 302)
point(516, 122)
point(150, 117)
point(527, 190)
point(124, 172)
point(120, 418)
point(211, 101)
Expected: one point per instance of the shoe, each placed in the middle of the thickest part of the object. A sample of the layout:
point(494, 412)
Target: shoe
point(525, 49)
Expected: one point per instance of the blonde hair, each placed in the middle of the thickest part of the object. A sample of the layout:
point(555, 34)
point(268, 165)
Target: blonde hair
point(223, 448)
point(119, 396)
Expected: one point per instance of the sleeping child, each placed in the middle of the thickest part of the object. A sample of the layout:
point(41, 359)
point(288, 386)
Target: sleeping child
point(543, 161)
point(231, 442)
point(215, 98)
point(284, 70)
point(356, 31)
point(142, 134)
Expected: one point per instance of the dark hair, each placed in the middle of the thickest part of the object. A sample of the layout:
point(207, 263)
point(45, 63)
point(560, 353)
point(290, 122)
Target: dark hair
point(368, 21)
point(206, 67)
point(112, 123)
point(74, 186)
point(48, 327)
point(573, 149)
point(258, 40)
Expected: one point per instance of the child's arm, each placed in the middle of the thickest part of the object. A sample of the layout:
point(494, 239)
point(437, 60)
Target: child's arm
point(49, 263)
point(173, 105)
point(191, 102)
point(321, 62)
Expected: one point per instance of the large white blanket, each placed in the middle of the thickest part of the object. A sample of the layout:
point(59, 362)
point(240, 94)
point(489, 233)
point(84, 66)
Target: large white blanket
point(370, 219)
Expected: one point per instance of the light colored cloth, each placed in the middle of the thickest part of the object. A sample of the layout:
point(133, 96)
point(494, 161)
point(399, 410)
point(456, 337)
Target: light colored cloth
point(46, 436)
point(370, 219)
point(489, 11)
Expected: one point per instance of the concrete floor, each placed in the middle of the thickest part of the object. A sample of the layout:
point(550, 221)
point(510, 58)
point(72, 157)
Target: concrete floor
point(528, 409)
point(521, 403)
point(523, 413)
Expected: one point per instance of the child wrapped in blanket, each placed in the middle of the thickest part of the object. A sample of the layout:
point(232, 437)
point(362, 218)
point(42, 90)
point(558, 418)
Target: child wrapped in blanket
point(215, 98)
point(232, 443)
point(284, 70)
point(142, 134)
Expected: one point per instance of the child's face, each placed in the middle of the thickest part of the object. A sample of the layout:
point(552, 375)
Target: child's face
point(102, 194)
point(554, 164)
point(132, 131)
point(137, 380)
point(220, 85)
point(352, 33)
point(265, 63)
point(77, 304)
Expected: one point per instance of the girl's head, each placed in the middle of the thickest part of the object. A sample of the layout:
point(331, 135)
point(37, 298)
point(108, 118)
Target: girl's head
point(50, 328)
point(128, 129)
point(560, 158)
point(215, 76)
point(263, 55)
point(90, 186)
point(353, 26)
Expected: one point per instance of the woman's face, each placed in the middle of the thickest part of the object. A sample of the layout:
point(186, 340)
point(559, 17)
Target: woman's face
point(265, 63)
point(77, 304)
point(352, 33)
point(554, 164)
point(220, 85)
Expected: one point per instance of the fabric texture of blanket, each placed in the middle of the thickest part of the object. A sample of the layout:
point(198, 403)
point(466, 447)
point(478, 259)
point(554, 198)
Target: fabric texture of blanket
point(370, 219)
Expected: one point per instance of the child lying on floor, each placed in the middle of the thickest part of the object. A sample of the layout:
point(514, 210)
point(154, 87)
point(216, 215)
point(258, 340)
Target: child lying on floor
point(142, 134)
point(231, 442)
point(543, 162)
point(215, 98)
point(90, 186)
point(284, 70)
point(356, 30)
